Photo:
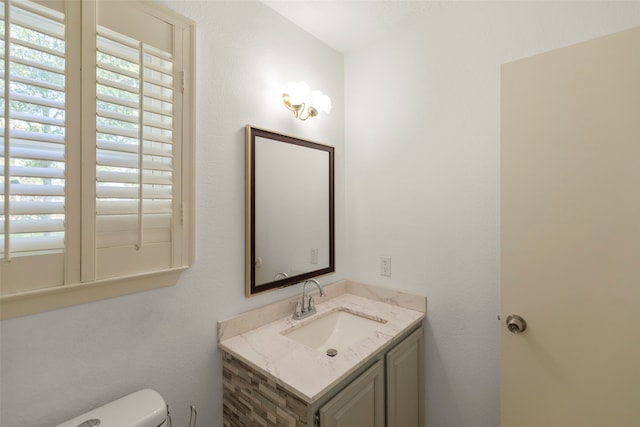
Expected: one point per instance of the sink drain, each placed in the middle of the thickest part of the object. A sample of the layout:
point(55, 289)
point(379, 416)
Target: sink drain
point(331, 352)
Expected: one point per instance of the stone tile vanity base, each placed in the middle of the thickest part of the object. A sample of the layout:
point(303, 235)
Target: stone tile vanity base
point(252, 399)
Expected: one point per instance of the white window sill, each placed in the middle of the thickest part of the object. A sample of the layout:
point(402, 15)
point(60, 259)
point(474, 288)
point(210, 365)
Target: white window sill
point(36, 301)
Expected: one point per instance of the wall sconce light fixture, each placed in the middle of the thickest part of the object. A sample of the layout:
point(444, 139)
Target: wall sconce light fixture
point(304, 103)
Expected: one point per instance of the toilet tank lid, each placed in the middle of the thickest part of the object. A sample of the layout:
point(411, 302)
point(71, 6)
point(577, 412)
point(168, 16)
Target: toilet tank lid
point(144, 408)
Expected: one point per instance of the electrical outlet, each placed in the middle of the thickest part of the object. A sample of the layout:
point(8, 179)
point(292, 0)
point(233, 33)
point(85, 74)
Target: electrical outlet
point(314, 256)
point(385, 266)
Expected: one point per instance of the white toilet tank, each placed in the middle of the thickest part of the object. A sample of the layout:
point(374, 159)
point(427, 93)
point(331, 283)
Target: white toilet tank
point(144, 408)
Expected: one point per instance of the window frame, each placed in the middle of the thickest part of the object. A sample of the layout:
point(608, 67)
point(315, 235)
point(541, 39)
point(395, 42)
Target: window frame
point(80, 283)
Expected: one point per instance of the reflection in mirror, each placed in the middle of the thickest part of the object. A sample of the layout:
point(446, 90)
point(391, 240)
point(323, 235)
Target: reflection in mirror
point(289, 218)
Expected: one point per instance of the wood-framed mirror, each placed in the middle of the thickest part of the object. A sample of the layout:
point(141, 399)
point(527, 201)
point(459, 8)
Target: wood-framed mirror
point(290, 220)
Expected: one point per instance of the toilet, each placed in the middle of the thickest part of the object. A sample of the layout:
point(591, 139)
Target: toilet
point(144, 408)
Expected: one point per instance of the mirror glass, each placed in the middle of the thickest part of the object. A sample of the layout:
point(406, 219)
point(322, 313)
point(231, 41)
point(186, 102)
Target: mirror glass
point(290, 210)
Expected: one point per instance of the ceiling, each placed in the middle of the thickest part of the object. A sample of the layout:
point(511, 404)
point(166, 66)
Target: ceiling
point(347, 25)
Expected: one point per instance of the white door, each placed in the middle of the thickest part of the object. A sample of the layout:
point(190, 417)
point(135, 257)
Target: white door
point(570, 236)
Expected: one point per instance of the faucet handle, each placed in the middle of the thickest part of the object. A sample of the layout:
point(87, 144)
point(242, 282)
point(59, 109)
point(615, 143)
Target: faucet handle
point(312, 304)
point(298, 309)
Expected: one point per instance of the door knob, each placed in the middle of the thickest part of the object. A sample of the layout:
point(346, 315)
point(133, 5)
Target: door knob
point(516, 324)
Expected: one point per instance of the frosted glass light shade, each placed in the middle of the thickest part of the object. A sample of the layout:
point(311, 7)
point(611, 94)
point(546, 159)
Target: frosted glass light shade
point(320, 101)
point(298, 92)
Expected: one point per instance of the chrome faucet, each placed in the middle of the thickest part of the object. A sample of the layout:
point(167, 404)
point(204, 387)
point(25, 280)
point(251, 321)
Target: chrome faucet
point(307, 306)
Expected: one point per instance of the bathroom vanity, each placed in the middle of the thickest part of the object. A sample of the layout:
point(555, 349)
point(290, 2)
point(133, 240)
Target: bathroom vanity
point(358, 361)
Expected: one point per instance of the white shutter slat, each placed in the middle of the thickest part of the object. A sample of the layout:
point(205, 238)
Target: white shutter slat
point(34, 190)
point(34, 172)
point(159, 97)
point(117, 101)
point(119, 41)
point(33, 82)
point(43, 49)
point(131, 161)
point(159, 59)
point(117, 116)
point(131, 178)
point(128, 207)
point(128, 55)
point(118, 70)
point(37, 65)
point(36, 226)
point(50, 103)
point(151, 108)
point(160, 83)
point(157, 138)
point(47, 153)
point(35, 208)
point(116, 131)
point(130, 148)
point(110, 84)
point(163, 65)
point(38, 119)
point(17, 136)
point(37, 244)
point(158, 125)
point(120, 192)
point(117, 161)
point(36, 15)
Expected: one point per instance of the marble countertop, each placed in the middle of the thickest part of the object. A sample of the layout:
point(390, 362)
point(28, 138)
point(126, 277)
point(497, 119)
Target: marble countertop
point(308, 372)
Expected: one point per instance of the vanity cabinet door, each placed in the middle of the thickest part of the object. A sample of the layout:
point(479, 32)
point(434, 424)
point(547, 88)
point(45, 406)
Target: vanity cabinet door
point(361, 403)
point(404, 382)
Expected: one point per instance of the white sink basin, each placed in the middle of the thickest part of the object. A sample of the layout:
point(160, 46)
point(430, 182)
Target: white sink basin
point(337, 330)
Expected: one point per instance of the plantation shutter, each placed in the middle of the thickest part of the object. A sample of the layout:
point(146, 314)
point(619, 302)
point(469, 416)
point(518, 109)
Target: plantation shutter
point(138, 90)
point(96, 151)
point(32, 145)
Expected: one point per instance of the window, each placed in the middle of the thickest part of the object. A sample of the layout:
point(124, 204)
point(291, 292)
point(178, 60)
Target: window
point(96, 151)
